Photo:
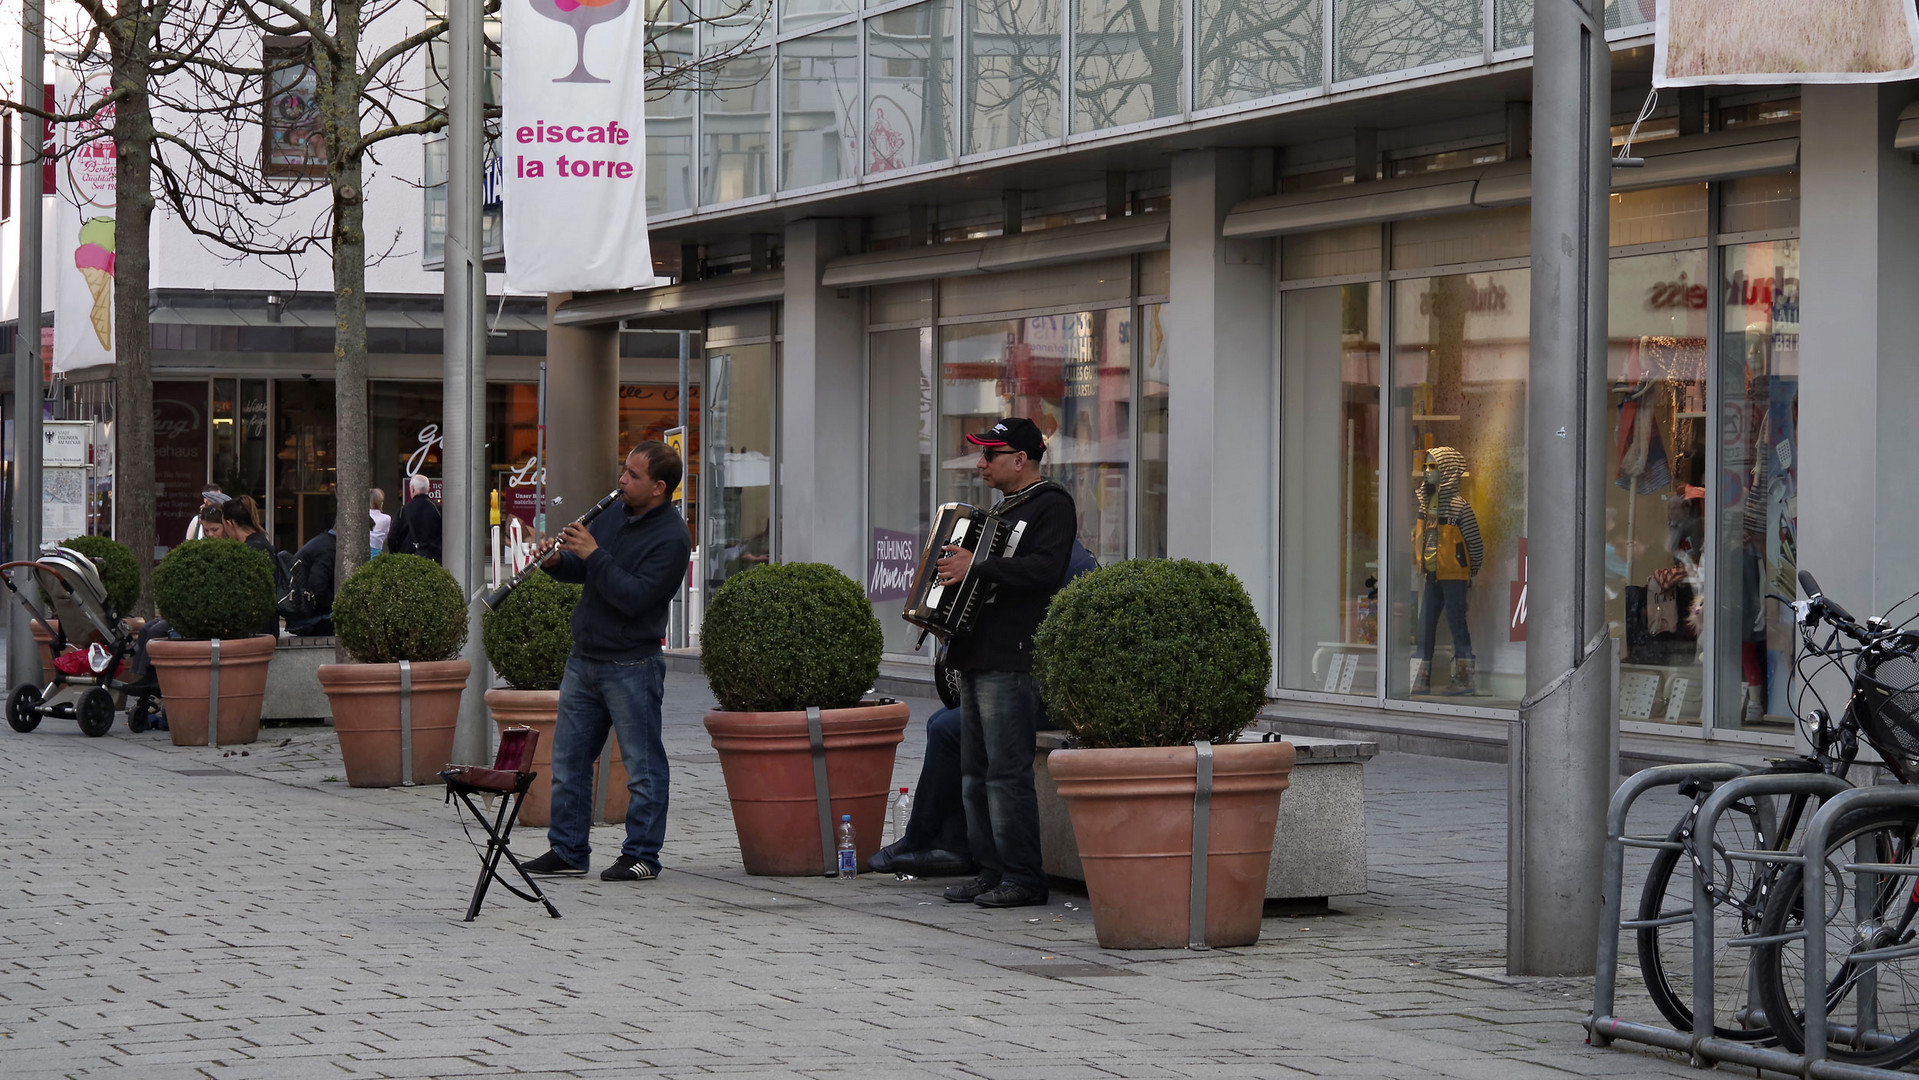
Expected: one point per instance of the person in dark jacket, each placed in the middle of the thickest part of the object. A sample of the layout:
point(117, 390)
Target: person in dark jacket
point(237, 517)
point(418, 530)
point(314, 566)
point(631, 559)
point(999, 704)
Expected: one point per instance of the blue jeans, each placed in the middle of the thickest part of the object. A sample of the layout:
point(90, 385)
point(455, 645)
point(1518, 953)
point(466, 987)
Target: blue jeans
point(1450, 596)
point(939, 818)
point(622, 696)
point(997, 711)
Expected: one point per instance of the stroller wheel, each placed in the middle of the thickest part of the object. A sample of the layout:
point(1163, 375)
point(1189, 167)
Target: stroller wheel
point(95, 712)
point(137, 715)
point(20, 705)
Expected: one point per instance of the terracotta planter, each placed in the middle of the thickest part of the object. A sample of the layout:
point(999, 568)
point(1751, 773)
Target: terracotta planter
point(366, 715)
point(539, 710)
point(1133, 819)
point(769, 779)
point(185, 671)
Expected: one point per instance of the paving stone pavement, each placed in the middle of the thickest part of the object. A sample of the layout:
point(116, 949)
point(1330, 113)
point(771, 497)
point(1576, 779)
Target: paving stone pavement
point(224, 914)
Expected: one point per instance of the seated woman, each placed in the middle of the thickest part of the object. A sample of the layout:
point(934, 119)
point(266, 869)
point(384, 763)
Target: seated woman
point(241, 524)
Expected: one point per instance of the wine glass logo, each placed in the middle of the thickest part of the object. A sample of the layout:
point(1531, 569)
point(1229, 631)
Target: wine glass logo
point(581, 15)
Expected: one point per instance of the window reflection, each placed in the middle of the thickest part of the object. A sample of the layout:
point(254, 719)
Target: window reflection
point(1014, 80)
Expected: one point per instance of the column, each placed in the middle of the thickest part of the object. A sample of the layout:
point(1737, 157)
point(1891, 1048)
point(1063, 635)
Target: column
point(583, 414)
point(821, 421)
point(1858, 508)
point(1220, 483)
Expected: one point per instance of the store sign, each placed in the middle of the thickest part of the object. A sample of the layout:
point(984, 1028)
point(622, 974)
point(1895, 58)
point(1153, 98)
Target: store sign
point(895, 558)
point(83, 237)
point(574, 152)
point(1715, 43)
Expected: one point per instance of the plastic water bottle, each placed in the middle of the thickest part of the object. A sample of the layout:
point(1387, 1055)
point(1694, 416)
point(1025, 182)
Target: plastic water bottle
point(902, 813)
point(849, 855)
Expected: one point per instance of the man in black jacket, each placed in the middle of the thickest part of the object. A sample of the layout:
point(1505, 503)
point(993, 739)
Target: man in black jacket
point(313, 573)
point(632, 560)
point(418, 530)
point(999, 704)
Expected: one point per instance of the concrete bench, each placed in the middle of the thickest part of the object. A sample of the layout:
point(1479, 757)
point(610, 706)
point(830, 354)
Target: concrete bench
point(1319, 845)
point(293, 680)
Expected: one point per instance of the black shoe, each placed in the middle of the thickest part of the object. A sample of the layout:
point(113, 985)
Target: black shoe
point(1010, 894)
point(933, 862)
point(883, 860)
point(628, 868)
point(551, 865)
point(960, 894)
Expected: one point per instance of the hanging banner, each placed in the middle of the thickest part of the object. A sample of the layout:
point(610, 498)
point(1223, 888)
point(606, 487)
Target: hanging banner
point(82, 251)
point(573, 153)
point(1716, 43)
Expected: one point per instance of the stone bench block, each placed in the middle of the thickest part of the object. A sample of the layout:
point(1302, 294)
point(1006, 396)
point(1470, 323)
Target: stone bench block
point(293, 680)
point(1319, 844)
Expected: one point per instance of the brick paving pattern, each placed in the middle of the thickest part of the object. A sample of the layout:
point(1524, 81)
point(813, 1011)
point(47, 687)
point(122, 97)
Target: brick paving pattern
point(187, 912)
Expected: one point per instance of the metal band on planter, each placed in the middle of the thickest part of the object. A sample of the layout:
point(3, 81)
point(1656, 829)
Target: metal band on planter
point(823, 798)
point(1202, 822)
point(213, 697)
point(406, 724)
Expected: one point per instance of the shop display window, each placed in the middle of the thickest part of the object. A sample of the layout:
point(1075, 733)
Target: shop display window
point(1329, 513)
point(1657, 544)
point(1155, 401)
point(1456, 486)
point(899, 446)
point(304, 460)
point(739, 461)
point(1757, 483)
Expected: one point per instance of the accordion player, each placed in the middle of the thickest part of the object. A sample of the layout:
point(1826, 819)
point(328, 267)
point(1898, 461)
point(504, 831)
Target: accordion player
point(945, 610)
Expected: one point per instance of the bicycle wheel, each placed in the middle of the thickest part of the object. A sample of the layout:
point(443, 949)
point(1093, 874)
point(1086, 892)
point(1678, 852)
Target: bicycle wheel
point(1739, 893)
point(1872, 1008)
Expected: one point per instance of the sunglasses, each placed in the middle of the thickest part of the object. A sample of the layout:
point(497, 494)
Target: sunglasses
point(991, 454)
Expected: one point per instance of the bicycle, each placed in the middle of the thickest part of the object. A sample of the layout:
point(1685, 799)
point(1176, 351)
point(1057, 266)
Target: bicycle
point(1741, 890)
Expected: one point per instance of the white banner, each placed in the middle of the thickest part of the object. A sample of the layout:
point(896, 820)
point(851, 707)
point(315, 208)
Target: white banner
point(1718, 43)
point(573, 145)
point(82, 253)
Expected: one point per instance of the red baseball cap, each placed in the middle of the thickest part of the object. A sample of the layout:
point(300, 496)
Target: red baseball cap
point(1013, 433)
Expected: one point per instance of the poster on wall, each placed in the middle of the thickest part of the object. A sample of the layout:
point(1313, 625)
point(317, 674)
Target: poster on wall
point(1714, 43)
point(574, 159)
point(82, 249)
point(63, 504)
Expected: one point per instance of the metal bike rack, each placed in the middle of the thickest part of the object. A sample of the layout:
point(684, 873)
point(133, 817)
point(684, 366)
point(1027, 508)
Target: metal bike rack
point(1837, 797)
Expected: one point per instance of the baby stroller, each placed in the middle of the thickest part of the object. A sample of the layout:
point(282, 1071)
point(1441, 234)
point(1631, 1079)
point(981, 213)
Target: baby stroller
point(93, 649)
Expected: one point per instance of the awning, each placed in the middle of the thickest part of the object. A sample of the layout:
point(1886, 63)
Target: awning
point(732, 290)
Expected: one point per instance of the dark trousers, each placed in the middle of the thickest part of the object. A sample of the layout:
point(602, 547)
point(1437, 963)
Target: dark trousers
point(997, 713)
point(1450, 595)
point(939, 817)
point(624, 697)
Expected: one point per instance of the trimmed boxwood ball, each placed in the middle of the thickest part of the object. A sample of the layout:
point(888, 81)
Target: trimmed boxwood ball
point(400, 607)
point(118, 572)
point(210, 589)
point(528, 637)
point(1153, 652)
point(790, 636)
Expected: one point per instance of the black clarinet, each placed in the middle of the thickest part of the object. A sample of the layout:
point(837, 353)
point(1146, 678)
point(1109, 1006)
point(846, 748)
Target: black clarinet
point(494, 599)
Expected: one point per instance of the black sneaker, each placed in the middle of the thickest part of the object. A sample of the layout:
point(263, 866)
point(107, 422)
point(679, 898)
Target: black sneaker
point(962, 894)
point(551, 865)
point(882, 860)
point(628, 868)
point(1011, 894)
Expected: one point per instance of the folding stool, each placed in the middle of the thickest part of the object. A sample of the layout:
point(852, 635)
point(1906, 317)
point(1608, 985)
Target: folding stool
point(509, 777)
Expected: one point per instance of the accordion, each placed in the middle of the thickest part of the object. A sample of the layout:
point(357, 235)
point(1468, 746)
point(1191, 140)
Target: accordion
point(946, 610)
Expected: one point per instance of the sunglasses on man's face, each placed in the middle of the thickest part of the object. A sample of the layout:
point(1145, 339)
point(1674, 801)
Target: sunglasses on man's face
point(991, 454)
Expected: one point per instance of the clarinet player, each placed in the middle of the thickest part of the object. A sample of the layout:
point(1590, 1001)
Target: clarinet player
point(631, 559)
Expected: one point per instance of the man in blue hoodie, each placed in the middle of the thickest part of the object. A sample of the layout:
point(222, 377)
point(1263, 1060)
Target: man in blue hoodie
point(631, 559)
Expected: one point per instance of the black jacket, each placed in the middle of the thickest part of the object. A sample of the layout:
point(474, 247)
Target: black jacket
point(1019, 586)
point(629, 581)
point(418, 530)
point(316, 558)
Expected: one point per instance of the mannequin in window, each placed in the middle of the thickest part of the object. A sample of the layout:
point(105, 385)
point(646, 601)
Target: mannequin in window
point(1447, 555)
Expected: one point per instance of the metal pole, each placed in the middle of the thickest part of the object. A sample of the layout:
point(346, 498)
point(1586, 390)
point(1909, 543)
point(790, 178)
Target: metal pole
point(1562, 770)
point(464, 320)
point(23, 657)
point(683, 635)
point(539, 474)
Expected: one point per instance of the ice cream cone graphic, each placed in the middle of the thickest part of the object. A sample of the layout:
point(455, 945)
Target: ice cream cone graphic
point(94, 257)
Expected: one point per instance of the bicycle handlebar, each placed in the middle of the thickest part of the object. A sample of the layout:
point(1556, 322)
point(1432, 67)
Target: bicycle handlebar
point(1833, 607)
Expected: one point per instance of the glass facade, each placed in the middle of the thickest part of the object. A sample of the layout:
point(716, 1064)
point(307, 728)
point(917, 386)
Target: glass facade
point(1013, 73)
point(1129, 63)
point(736, 129)
point(819, 99)
point(1252, 49)
point(738, 483)
point(1700, 518)
point(909, 87)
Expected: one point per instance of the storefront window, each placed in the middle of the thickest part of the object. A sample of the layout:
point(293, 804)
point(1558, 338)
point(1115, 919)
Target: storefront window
point(1154, 400)
point(899, 467)
point(179, 458)
point(240, 437)
point(1458, 488)
point(1070, 374)
point(739, 461)
point(304, 459)
point(1655, 529)
point(1329, 514)
point(1757, 483)
point(647, 411)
